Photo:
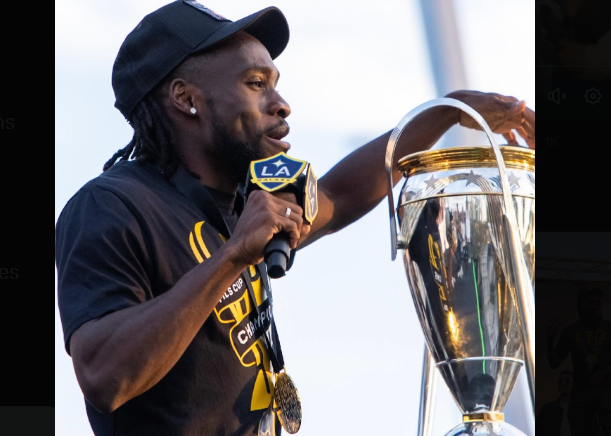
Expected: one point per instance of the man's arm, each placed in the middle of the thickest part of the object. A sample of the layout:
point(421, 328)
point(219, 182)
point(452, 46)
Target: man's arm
point(359, 182)
point(123, 354)
point(552, 358)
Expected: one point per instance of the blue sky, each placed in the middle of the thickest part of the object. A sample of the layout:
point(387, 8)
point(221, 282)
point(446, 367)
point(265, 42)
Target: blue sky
point(351, 71)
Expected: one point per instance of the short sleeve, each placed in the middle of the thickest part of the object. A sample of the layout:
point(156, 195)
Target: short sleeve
point(563, 346)
point(101, 259)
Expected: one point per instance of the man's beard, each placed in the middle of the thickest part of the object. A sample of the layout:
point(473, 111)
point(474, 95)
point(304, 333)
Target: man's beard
point(234, 155)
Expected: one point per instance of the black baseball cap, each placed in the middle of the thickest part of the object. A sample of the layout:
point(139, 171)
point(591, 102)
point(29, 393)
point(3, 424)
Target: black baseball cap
point(172, 33)
point(586, 291)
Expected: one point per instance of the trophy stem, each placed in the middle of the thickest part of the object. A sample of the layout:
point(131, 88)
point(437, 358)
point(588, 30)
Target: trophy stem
point(427, 395)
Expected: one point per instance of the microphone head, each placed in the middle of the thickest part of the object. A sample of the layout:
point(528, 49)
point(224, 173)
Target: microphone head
point(283, 173)
point(274, 173)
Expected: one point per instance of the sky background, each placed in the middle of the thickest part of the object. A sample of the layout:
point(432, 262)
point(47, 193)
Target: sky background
point(351, 71)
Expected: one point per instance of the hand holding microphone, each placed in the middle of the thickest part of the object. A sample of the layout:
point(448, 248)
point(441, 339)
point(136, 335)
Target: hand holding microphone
point(283, 174)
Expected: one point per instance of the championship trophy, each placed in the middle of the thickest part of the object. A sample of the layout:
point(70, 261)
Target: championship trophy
point(466, 228)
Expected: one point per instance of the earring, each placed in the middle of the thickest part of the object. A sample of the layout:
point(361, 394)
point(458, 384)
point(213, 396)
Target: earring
point(192, 110)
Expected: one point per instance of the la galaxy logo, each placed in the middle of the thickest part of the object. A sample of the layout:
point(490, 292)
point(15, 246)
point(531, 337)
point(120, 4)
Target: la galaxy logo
point(310, 196)
point(276, 172)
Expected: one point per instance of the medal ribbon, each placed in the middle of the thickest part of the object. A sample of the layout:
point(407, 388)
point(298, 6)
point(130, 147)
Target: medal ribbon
point(275, 351)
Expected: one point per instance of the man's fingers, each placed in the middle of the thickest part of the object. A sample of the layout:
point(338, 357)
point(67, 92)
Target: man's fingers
point(526, 131)
point(523, 133)
point(519, 106)
point(291, 220)
point(529, 120)
point(284, 202)
point(513, 105)
point(283, 206)
point(530, 139)
point(529, 128)
point(291, 227)
point(297, 218)
point(505, 115)
point(286, 196)
point(526, 123)
point(515, 114)
point(510, 137)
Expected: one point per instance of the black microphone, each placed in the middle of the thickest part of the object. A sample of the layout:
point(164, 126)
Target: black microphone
point(281, 173)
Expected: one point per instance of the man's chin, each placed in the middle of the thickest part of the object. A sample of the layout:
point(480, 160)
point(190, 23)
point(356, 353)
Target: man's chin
point(274, 146)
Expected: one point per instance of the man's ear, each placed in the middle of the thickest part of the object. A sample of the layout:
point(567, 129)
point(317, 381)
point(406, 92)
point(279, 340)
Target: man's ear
point(180, 93)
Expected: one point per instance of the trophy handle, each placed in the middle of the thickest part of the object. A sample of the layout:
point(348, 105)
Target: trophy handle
point(522, 289)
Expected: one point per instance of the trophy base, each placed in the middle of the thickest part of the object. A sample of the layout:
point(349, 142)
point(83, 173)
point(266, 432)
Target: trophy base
point(484, 428)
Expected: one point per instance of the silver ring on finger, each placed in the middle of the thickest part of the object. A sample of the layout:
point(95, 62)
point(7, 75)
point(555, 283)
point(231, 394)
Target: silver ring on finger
point(288, 212)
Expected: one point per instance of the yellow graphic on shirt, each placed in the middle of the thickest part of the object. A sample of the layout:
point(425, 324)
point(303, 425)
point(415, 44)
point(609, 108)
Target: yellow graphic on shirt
point(235, 308)
point(592, 346)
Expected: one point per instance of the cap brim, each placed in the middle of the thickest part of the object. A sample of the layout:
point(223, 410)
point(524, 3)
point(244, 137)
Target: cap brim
point(268, 25)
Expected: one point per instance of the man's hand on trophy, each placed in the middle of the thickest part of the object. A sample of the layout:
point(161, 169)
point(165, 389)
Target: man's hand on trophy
point(503, 114)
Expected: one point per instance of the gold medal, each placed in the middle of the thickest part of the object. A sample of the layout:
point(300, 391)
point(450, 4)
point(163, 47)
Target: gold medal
point(288, 405)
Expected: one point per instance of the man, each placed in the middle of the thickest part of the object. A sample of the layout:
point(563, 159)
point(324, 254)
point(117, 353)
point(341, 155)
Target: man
point(165, 303)
point(588, 342)
point(552, 419)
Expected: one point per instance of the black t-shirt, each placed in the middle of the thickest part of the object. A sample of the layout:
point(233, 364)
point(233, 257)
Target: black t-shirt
point(590, 351)
point(226, 205)
point(549, 419)
point(127, 237)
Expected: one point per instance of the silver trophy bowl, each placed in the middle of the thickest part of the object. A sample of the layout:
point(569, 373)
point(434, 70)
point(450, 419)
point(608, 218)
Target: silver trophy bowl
point(466, 228)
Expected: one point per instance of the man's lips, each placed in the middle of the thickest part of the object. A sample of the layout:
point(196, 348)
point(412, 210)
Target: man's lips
point(285, 146)
point(276, 134)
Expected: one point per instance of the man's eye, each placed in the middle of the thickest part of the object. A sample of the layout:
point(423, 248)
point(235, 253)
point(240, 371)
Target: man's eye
point(257, 83)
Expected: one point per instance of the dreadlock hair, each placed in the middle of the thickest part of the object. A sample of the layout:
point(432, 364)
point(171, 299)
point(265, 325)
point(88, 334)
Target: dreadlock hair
point(153, 139)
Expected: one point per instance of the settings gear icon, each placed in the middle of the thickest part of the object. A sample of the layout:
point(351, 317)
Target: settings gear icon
point(593, 96)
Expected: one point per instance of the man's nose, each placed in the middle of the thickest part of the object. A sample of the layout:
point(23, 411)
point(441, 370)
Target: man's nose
point(278, 106)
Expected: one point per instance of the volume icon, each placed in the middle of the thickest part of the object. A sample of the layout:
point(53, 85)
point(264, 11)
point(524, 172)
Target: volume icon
point(555, 96)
